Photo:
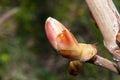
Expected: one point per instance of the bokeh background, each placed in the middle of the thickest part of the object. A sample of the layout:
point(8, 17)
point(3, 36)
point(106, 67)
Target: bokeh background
point(25, 52)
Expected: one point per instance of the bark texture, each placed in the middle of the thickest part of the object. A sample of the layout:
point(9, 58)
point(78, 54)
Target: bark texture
point(108, 20)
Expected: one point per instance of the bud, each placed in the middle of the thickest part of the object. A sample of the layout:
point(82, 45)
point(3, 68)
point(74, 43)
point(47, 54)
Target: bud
point(60, 38)
point(58, 35)
point(65, 43)
point(75, 67)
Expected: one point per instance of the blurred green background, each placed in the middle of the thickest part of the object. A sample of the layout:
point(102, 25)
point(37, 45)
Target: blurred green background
point(25, 52)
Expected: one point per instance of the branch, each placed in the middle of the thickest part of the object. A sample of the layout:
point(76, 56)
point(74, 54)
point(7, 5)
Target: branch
point(108, 21)
point(8, 14)
point(105, 63)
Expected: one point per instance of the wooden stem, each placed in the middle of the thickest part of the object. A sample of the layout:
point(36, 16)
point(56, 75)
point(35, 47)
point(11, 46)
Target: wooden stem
point(105, 63)
point(8, 14)
point(107, 18)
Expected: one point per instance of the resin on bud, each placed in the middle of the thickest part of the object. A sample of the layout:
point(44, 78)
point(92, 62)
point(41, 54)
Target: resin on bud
point(65, 43)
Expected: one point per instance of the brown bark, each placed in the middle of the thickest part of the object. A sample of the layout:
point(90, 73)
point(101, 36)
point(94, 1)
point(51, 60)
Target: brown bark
point(107, 18)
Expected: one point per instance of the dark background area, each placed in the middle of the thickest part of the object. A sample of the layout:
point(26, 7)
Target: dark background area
point(25, 52)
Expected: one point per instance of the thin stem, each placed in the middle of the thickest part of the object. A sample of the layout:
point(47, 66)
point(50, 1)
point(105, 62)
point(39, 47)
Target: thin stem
point(105, 63)
point(8, 14)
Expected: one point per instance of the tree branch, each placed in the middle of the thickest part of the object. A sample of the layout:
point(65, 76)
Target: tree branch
point(8, 14)
point(108, 21)
point(105, 63)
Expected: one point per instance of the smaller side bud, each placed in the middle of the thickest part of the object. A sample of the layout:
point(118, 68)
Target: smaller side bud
point(75, 67)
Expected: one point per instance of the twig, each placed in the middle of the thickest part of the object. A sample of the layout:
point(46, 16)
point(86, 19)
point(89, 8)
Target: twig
point(8, 14)
point(104, 14)
point(108, 21)
point(105, 63)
